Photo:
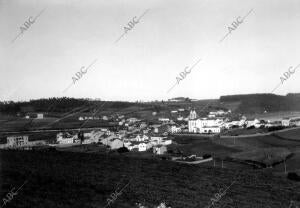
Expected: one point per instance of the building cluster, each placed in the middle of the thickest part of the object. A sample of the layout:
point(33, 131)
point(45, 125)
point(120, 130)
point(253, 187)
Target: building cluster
point(143, 135)
point(21, 141)
point(217, 121)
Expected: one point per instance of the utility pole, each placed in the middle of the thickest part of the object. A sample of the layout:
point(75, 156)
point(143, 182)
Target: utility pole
point(284, 167)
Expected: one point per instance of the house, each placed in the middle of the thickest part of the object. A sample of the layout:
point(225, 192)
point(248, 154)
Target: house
point(132, 120)
point(144, 146)
point(174, 111)
point(286, 122)
point(143, 125)
point(159, 150)
point(178, 99)
point(196, 126)
point(39, 116)
point(156, 140)
point(133, 147)
point(164, 119)
point(127, 144)
point(92, 137)
point(80, 118)
point(65, 138)
point(295, 122)
point(105, 118)
point(146, 131)
point(17, 141)
point(166, 142)
point(115, 143)
point(175, 129)
point(180, 118)
point(143, 138)
point(252, 122)
point(211, 115)
point(3, 146)
point(181, 110)
point(210, 129)
point(121, 116)
point(273, 124)
point(106, 139)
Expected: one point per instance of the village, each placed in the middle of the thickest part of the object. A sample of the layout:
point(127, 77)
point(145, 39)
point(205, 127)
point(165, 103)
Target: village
point(136, 135)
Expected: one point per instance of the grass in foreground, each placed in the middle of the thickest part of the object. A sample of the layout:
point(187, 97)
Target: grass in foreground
point(65, 179)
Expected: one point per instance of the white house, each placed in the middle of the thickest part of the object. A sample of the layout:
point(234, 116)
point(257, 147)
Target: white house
point(156, 140)
point(210, 129)
point(295, 122)
point(65, 138)
point(211, 115)
point(17, 141)
point(180, 118)
point(132, 120)
point(175, 129)
point(127, 144)
point(286, 122)
point(273, 123)
point(143, 138)
point(115, 143)
point(252, 122)
point(160, 150)
point(144, 146)
point(166, 142)
point(39, 116)
point(164, 119)
point(106, 140)
point(195, 126)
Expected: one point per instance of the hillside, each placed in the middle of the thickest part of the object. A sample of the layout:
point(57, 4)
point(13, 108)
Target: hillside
point(64, 179)
point(259, 103)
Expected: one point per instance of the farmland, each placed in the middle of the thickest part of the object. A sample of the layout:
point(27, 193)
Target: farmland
point(64, 179)
point(287, 140)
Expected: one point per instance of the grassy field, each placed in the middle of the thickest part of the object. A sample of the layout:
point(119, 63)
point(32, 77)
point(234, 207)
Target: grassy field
point(65, 179)
point(259, 143)
point(200, 146)
point(244, 131)
point(293, 134)
point(274, 116)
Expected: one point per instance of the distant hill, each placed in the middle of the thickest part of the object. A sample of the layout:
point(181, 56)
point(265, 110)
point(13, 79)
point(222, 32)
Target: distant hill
point(63, 104)
point(248, 103)
point(259, 103)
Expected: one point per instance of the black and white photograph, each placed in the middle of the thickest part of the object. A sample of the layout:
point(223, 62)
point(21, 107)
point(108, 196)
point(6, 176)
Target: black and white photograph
point(149, 104)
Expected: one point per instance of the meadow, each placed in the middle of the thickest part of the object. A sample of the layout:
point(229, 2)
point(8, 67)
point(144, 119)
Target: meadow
point(66, 179)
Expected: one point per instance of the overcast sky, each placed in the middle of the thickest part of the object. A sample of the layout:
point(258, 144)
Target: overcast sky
point(144, 63)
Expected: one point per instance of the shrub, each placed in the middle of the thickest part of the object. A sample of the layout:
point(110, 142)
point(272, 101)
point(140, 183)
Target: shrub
point(293, 176)
point(122, 150)
point(205, 156)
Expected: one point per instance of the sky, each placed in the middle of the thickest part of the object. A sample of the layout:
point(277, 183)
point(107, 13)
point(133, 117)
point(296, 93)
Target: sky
point(69, 36)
